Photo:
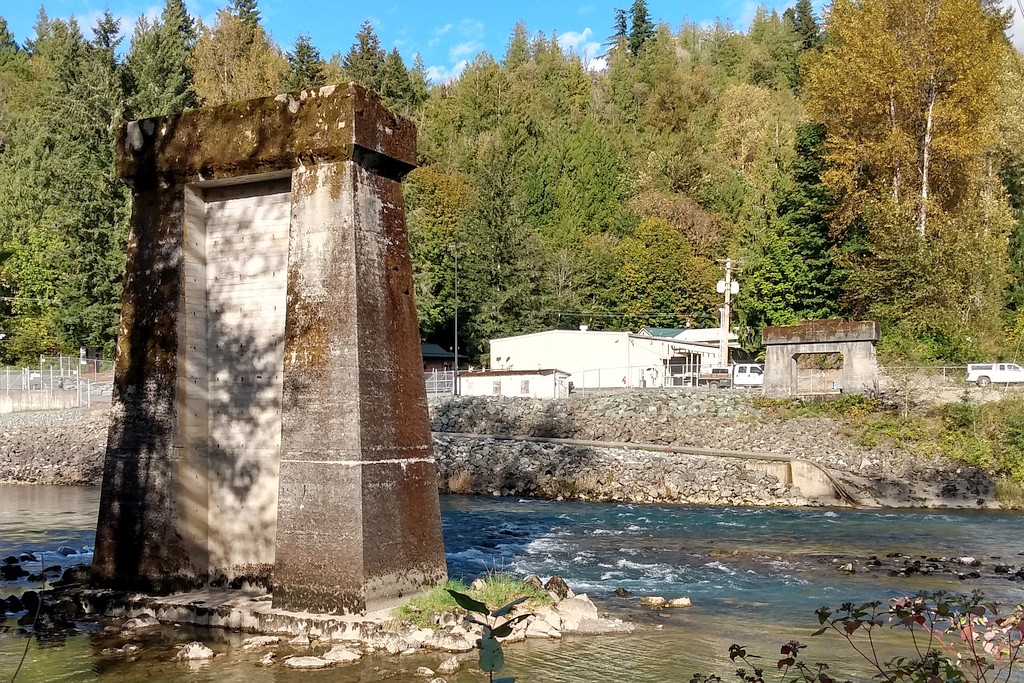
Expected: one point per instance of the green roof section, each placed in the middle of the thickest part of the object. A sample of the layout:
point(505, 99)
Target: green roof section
point(663, 332)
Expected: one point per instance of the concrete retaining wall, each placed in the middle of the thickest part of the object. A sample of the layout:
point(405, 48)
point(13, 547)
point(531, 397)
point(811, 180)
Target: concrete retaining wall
point(19, 400)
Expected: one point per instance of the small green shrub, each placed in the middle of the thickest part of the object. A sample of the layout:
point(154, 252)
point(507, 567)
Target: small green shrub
point(496, 624)
point(848, 406)
point(955, 639)
point(1010, 493)
point(910, 433)
point(967, 448)
point(851, 405)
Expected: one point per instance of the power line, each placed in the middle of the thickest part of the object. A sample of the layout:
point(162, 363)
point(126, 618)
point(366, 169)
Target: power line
point(632, 314)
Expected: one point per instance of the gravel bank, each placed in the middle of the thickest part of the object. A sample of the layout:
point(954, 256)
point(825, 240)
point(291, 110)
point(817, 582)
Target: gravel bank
point(54, 446)
point(67, 447)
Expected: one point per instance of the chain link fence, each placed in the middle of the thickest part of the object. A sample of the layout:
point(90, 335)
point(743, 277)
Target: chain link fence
point(57, 382)
point(71, 381)
point(440, 382)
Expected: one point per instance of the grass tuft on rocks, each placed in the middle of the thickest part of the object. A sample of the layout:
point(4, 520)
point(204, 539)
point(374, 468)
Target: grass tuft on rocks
point(499, 589)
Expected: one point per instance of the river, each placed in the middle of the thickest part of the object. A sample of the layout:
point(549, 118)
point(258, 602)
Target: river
point(755, 577)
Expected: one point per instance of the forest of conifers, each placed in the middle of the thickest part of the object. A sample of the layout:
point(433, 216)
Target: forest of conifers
point(866, 164)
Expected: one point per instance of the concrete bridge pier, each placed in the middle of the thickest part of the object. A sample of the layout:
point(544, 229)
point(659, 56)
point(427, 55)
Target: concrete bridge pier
point(270, 419)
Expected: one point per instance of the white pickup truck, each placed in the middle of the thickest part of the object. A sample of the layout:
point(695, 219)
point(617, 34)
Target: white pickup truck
point(736, 375)
point(984, 374)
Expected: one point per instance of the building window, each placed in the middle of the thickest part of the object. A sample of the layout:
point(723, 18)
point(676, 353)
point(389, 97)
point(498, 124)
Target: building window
point(524, 387)
point(496, 388)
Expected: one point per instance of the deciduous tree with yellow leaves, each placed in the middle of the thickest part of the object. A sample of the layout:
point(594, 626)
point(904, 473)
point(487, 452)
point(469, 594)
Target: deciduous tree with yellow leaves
point(236, 60)
point(907, 91)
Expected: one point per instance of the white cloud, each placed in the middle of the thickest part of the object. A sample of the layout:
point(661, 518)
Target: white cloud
point(472, 29)
point(438, 33)
point(442, 74)
point(583, 45)
point(571, 40)
point(471, 33)
point(462, 50)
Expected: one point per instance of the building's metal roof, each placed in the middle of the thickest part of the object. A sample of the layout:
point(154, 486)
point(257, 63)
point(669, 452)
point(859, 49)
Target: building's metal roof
point(435, 351)
point(667, 332)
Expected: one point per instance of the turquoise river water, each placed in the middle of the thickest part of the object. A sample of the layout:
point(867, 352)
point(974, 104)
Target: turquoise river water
point(755, 577)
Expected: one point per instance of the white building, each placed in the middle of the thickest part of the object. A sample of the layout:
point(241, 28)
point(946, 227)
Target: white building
point(607, 360)
point(531, 383)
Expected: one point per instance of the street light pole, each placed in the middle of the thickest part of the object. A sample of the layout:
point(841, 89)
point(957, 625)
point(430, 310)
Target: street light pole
point(455, 387)
point(723, 351)
point(728, 287)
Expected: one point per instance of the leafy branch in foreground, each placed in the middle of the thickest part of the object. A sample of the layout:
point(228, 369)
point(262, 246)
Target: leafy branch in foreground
point(492, 659)
point(955, 639)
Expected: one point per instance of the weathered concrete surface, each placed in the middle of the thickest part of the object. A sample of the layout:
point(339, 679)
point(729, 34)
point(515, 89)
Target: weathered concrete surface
point(854, 340)
point(358, 492)
point(269, 414)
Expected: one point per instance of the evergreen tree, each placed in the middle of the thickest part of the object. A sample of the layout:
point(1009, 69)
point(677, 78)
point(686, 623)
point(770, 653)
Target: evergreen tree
point(518, 51)
point(774, 50)
point(247, 12)
point(437, 212)
point(641, 29)
point(418, 81)
point(803, 211)
point(306, 69)
point(395, 84)
point(365, 58)
point(63, 215)
point(620, 27)
point(801, 16)
point(106, 33)
point(158, 63)
point(6, 37)
point(8, 48)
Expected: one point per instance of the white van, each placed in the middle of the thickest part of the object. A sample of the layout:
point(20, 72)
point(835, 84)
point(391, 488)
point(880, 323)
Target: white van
point(984, 374)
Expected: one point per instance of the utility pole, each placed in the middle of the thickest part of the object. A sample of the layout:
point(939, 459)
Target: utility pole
point(455, 386)
point(728, 287)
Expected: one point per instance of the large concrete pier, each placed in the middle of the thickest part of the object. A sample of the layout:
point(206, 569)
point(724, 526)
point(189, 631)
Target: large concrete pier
point(270, 418)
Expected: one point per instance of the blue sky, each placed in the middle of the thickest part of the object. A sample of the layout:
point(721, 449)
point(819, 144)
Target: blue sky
point(447, 33)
